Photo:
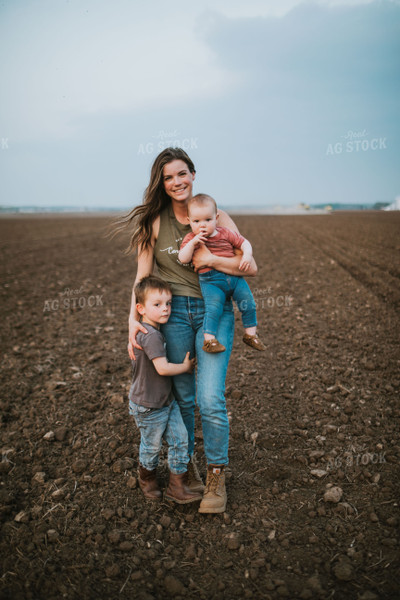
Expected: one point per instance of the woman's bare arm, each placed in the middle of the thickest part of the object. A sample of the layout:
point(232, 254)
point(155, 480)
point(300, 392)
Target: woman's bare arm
point(144, 268)
point(224, 220)
point(229, 265)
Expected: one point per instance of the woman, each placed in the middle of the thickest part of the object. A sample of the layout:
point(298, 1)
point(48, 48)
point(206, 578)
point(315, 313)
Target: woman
point(160, 225)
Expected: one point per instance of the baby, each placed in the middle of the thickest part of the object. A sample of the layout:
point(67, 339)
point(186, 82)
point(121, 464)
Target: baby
point(217, 287)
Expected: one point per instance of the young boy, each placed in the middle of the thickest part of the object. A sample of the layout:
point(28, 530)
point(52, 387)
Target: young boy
point(215, 286)
point(151, 402)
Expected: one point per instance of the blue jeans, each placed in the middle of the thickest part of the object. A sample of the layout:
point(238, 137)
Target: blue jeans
point(184, 333)
point(216, 287)
point(156, 424)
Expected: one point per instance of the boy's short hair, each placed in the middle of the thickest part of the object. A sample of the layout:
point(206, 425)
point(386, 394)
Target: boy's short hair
point(149, 283)
point(202, 199)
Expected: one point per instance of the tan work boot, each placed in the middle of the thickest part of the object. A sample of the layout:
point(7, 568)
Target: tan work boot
point(194, 481)
point(178, 491)
point(214, 498)
point(148, 484)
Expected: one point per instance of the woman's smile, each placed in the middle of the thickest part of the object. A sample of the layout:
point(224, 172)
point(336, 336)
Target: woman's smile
point(178, 180)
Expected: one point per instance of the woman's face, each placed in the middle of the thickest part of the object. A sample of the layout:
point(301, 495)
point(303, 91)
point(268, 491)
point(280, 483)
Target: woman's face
point(178, 180)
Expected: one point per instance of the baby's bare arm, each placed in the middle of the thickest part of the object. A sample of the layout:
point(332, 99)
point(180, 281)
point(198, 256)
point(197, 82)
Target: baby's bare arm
point(186, 253)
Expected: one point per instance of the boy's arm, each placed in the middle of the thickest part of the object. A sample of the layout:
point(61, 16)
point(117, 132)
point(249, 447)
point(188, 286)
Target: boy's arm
point(163, 367)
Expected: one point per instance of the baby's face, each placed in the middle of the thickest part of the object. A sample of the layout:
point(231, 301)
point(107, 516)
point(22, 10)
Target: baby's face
point(203, 218)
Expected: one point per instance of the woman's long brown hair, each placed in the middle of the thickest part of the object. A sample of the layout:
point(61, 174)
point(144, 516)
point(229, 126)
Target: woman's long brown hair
point(155, 199)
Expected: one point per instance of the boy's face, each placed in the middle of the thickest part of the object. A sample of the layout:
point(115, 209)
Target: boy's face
point(156, 308)
point(203, 218)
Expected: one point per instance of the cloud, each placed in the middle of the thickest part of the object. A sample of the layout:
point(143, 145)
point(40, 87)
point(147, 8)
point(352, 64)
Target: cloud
point(332, 66)
point(258, 90)
point(325, 47)
point(66, 60)
point(74, 59)
point(310, 78)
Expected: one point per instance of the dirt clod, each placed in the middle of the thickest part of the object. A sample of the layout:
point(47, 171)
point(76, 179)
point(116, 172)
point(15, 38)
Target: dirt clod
point(343, 570)
point(333, 494)
point(233, 541)
point(173, 586)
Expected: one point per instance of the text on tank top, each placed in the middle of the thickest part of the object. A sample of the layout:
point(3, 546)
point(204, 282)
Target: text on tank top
point(182, 278)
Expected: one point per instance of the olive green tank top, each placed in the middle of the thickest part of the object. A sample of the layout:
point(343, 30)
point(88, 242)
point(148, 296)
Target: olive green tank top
point(182, 278)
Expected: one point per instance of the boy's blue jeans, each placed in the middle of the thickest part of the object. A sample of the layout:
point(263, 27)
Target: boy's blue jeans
point(156, 424)
point(184, 333)
point(216, 288)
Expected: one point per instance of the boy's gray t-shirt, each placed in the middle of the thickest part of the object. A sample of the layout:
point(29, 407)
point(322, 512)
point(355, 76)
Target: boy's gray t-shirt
point(148, 388)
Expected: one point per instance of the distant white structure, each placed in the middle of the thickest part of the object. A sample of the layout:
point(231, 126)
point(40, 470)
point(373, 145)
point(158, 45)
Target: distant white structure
point(395, 205)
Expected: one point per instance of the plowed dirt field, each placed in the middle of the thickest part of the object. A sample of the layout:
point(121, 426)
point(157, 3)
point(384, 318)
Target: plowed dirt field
point(318, 410)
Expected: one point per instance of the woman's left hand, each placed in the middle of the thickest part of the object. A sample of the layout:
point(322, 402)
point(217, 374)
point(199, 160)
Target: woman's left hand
point(202, 257)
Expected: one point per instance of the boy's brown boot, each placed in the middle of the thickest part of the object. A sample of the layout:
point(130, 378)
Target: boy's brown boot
point(148, 484)
point(254, 341)
point(194, 481)
point(178, 491)
point(214, 498)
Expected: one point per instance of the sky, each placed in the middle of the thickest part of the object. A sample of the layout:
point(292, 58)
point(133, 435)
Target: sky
point(277, 102)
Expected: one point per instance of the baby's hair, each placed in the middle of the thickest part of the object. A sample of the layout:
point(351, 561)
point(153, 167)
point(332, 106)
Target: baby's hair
point(202, 199)
point(147, 284)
